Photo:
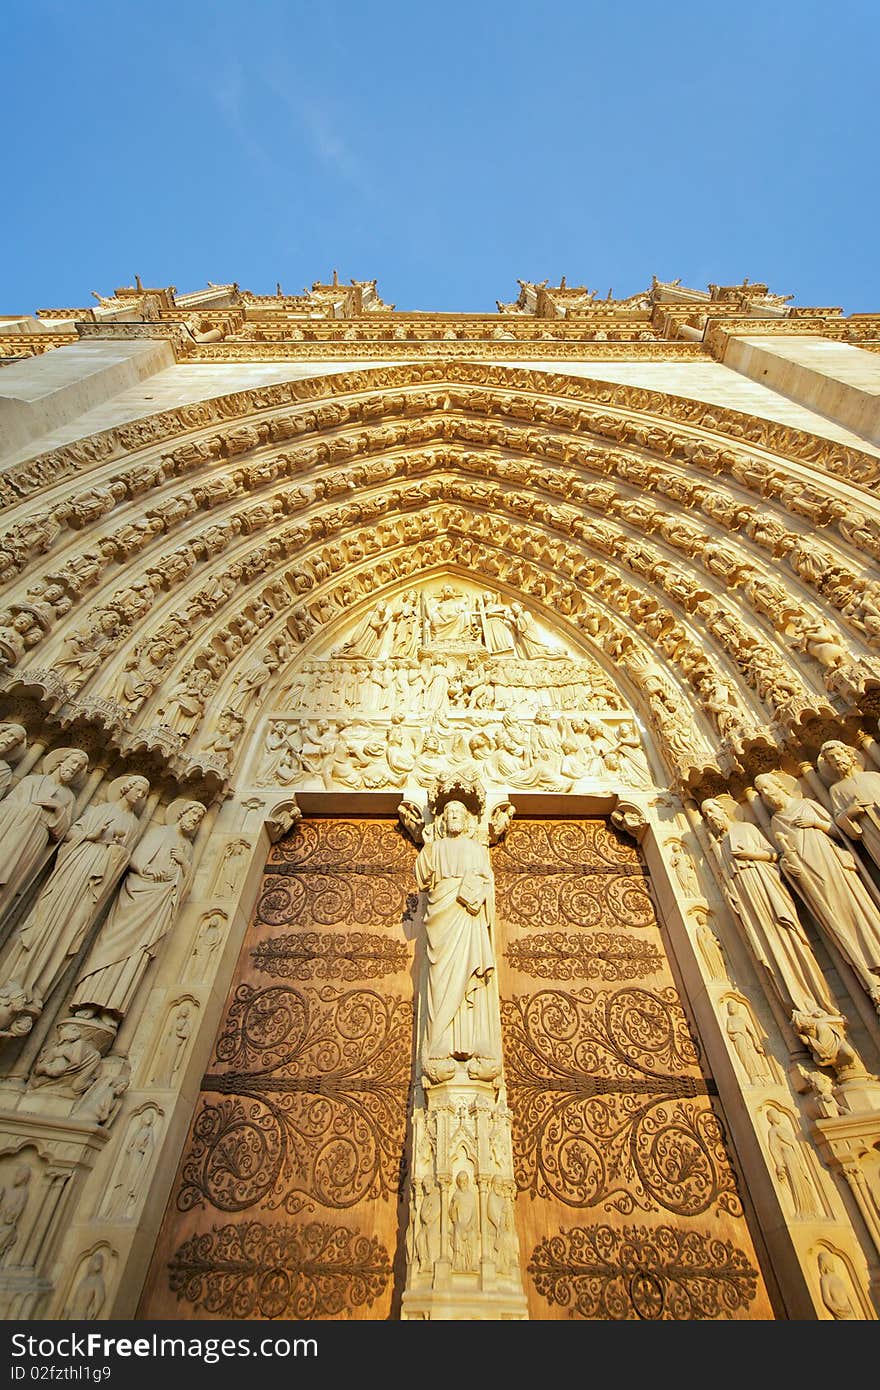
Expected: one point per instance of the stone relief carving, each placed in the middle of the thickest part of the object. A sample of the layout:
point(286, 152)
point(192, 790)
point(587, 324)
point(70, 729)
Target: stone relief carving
point(69, 1065)
point(171, 1051)
point(209, 939)
point(835, 1290)
point(792, 1168)
point(741, 1029)
point(230, 866)
point(89, 1296)
point(126, 1186)
point(708, 944)
point(14, 1196)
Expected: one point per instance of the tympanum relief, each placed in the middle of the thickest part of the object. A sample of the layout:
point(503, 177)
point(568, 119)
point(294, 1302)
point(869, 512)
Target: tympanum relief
point(450, 677)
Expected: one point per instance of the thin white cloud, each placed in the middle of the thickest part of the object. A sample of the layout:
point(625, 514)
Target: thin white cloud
point(229, 91)
point(330, 147)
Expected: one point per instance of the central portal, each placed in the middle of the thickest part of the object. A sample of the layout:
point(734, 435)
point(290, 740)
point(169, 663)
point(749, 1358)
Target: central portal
point(298, 1192)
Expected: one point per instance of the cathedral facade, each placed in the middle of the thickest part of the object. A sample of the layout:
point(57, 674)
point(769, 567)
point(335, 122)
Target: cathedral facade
point(440, 807)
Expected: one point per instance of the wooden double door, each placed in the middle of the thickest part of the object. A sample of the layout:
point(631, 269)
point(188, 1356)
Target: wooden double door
point(290, 1198)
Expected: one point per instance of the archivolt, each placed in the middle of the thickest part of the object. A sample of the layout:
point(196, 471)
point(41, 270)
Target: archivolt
point(547, 486)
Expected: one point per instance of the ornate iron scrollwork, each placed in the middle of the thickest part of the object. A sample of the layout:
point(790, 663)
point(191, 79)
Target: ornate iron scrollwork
point(252, 1270)
point(608, 1106)
point(640, 1272)
point(594, 955)
point(314, 1107)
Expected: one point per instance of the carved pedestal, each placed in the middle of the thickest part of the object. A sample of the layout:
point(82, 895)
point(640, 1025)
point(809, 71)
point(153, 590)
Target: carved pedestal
point(462, 1249)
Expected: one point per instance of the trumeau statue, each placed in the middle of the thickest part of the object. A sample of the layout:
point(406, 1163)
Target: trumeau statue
point(826, 876)
point(36, 811)
point(855, 795)
point(142, 914)
point(89, 865)
point(454, 874)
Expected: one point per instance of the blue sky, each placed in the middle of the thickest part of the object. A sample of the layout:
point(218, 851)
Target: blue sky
point(443, 149)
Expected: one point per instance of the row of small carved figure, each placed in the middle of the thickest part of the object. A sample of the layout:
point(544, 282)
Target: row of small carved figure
point(548, 398)
point(108, 858)
point(812, 562)
point(812, 852)
point(858, 597)
point(773, 679)
point(578, 418)
point(759, 663)
point(550, 752)
point(463, 1224)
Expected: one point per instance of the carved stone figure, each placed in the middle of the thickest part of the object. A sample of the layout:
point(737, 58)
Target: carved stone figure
point(186, 702)
point(90, 862)
point(834, 1290)
point(100, 1103)
point(825, 1036)
point(855, 795)
point(13, 1200)
point(371, 638)
point(740, 1028)
point(88, 1298)
point(230, 867)
point(143, 913)
point(787, 1153)
point(251, 682)
point(428, 1230)
point(447, 615)
point(684, 869)
point(710, 946)
point(826, 876)
point(71, 1063)
point(37, 810)
point(767, 910)
point(131, 1178)
point(499, 1211)
point(13, 738)
point(454, 872)
point(464, 1217)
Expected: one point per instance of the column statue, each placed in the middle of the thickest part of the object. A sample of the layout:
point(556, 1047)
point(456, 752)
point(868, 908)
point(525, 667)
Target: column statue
point(855, 795)
point(143, 913)
point(826, 876)
point(761, 900)
point(90, 863)
point(12, 740)
point(37, 810)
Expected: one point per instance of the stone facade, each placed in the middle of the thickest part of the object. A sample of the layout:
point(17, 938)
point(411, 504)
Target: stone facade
point(440, 807)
